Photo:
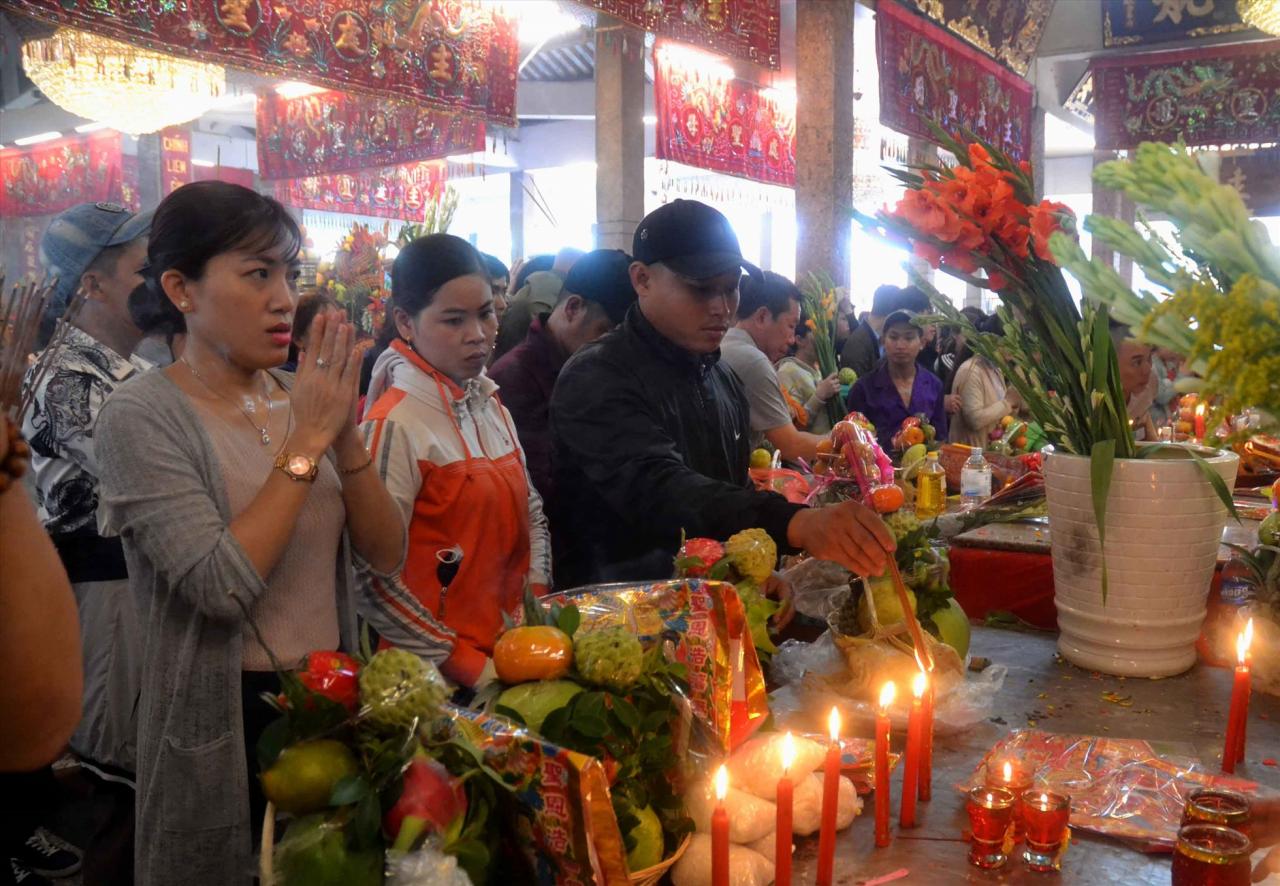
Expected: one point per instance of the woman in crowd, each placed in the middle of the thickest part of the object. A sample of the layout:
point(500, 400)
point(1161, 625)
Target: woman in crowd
point(984, 397)
point(803, 386)
point(240, 493)
point(447, 451)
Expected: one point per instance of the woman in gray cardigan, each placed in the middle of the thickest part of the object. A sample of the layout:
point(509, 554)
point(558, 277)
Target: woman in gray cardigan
point(238, 491)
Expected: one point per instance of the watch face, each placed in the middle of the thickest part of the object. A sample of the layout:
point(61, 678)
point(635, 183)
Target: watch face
point(298, 465)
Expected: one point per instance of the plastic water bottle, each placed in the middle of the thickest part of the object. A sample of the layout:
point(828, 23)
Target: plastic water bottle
point(1239, 584)
point(931, 488)
point(975, 481)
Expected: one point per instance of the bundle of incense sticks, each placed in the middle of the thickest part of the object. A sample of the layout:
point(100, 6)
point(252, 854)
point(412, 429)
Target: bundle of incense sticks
point(20, 316)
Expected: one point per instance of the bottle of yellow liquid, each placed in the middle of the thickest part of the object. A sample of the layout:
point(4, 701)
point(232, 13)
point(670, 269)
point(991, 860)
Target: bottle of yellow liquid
point(931, 488)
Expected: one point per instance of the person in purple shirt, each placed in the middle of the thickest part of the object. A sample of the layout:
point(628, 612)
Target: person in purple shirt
point(899, 387)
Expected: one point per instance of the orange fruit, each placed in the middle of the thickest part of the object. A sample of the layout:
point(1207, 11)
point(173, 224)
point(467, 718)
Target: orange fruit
point(1020, 442)
point(825, 446)
point(912, 436)
point(534, 652)
point(887, 499)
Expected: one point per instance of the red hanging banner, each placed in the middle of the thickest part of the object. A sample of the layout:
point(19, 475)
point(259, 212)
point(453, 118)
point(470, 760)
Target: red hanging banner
point(175, 159)
point(451, 54)
point(927, 74)
point(399, 192)
point(229, 174)
point(723, 124)
point(745, 29)
point(47, 178)
point(1212, 96)
point(337, 132)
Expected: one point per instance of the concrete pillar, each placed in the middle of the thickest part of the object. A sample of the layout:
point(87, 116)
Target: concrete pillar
point(1037, 151)
point(515, 202)
point(1105, 202)
point(824, 137)
point(619, 133)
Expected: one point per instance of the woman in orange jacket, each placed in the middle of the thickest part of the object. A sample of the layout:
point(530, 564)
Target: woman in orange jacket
point(447, 451)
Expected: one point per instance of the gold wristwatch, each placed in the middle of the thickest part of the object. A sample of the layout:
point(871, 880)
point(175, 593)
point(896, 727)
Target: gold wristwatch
point(297, 466)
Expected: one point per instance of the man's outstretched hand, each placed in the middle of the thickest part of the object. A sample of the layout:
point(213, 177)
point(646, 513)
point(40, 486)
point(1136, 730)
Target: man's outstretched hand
point(849, 534)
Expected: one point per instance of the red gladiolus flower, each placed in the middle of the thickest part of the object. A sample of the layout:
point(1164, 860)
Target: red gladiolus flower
point(1045, 219)
point(978, 155)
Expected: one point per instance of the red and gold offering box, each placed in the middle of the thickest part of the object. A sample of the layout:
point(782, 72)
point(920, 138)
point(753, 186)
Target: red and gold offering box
point(1211, 855)
point(991, 824)
point(1045, 815)
point(1219, 806)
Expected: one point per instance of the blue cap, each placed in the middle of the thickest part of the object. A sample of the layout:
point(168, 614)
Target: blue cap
point(78, 236)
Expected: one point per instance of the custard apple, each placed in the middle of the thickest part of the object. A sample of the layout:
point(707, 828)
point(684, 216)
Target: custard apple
point(610, 657)
point(753, 554)
point(400, 690)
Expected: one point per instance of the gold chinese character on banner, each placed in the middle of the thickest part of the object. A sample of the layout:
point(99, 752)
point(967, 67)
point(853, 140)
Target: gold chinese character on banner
point(1173, 10)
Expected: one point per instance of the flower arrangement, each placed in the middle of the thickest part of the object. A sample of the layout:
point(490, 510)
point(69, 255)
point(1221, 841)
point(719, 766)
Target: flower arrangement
point(357, 280)
point(821, 298)
point(1217, 298)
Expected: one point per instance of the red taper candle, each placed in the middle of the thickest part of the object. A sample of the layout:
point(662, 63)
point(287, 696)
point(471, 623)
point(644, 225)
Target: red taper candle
point(720, 832)
point(782, 848)
point(911, 769)
point(830, 800)
point(1248, 691)
point(1233, 747)
point(882, 765)
point(925, 790)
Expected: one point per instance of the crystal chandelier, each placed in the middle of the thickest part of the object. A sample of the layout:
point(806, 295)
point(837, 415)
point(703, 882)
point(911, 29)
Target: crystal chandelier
point(126, 87)
point(1261, 14)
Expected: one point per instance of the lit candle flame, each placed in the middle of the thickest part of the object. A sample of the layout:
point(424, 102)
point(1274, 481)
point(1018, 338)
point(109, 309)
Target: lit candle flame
point(833, 724)
point(1008, 772)
point(1242, 646)
point(722, 783)
point(1248, 634)
point(788, 753)
point(918, 685)
point(1044, 798)
point(887, 694)
point(1200, 410)
point(991, 798)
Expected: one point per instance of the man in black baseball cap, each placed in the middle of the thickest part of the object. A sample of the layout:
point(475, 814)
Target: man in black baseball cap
point(651, 431)
point(597, 293)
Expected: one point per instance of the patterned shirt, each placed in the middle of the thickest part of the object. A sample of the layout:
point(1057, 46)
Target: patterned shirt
point(59, 429)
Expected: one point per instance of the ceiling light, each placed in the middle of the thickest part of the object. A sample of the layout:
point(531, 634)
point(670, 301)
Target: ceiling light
point(1261, 14)
point(91, 127)
point(126, 87)
point(36, 139)
point(296, 89)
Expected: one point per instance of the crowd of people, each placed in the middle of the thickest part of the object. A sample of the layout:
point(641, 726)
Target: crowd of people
point(265, 482)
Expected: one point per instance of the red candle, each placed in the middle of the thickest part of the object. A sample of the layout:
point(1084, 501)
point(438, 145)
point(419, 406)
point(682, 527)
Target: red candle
point(830, 800)
point(925, 790)
point(882, 765)
point(1248, 690)
point(782, 849)
point(911, 770)
point(1211, 855)
point(1046, 815)
point(1200, 422)
point(990, 817)
point(1233, 747)
point(720, 832)
point(1016, 780)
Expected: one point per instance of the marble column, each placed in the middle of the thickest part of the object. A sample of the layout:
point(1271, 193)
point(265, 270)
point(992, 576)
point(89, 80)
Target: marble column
point(824, 137)
point(620, 85)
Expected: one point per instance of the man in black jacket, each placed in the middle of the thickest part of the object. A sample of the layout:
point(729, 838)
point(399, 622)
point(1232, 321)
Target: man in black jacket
point(651, 432)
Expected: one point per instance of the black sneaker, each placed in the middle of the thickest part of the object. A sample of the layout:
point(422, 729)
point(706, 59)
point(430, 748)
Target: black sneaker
point(47, 854)
point(25, 876)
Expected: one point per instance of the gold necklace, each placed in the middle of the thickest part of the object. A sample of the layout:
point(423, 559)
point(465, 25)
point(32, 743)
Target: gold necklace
point(263, 431)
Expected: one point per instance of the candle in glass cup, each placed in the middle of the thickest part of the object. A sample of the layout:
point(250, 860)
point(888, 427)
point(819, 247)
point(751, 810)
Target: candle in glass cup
point(911, 767)
point(882, 765)
point(990, 818)
point(1211, 855)
point(782, 848)
point(720, 832)
point(830, 802)
point(925, 787)
point(1015, 779)
point(1045, 815)
point(1238, 713)
point(1218, 806)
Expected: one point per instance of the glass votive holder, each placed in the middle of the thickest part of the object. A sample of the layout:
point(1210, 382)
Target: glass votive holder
point(990, 822)
point(1017, 781)
point(1211, 855)
point(1045, 816)
point(1218, 806)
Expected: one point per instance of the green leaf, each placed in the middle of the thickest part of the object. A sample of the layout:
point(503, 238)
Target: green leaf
point(510, 713)
point(626, 713)
point(569, 620)
point(366, 826)
point(592, 726)
point(271, 742)
point(349, 790)
point(1102, 462)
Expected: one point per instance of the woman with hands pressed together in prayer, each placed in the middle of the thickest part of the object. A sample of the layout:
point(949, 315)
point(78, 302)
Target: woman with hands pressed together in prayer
point(242, 494)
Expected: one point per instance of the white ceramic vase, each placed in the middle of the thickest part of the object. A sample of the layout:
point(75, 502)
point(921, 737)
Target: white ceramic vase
point(1164, 527)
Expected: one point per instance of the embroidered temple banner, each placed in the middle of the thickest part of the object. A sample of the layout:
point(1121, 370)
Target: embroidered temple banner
point(1133, 22)
point(745, 29)
point(1256, 175)
point(458, 55)
point(175, 159)
point(1215, 95)
point(47, 178)
point(1008, 31)
point(723, 124)
point(338, 132)
point(928, 74)
point(399, 192)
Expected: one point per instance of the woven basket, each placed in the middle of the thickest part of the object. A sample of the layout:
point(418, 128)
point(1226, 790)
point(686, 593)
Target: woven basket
point(651, 876)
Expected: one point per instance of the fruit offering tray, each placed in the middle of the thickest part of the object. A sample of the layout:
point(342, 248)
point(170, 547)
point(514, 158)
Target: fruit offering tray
point(1125, 788)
